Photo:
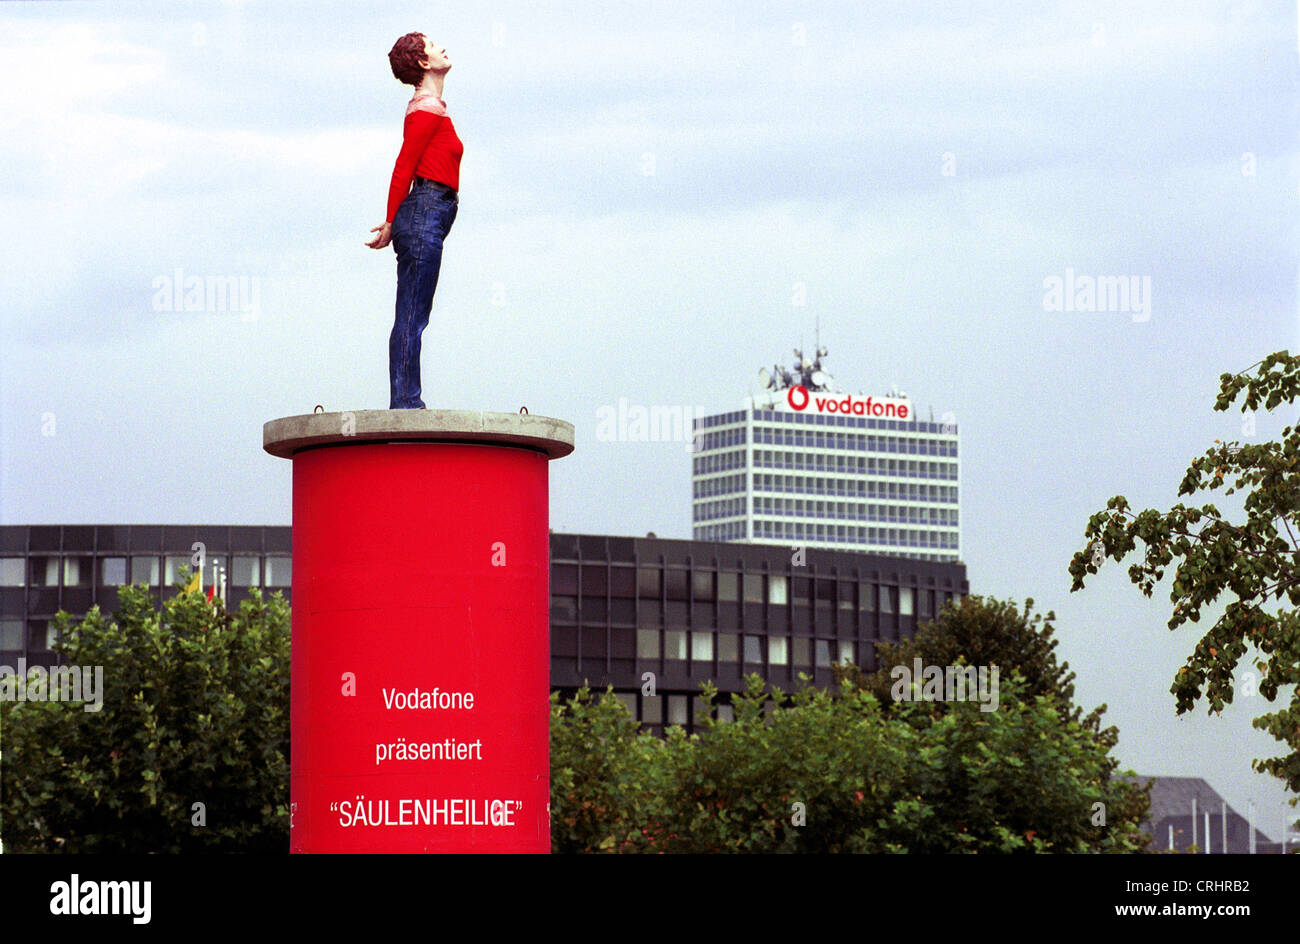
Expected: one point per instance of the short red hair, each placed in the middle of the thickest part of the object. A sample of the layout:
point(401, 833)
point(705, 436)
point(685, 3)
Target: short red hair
point(405, 58)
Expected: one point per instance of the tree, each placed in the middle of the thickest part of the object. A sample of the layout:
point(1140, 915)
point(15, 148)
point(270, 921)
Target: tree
point(982, 631)
point(603, 773)
point(822, 774)
point(1255, 563)
point(833, 772)
point(195, 710)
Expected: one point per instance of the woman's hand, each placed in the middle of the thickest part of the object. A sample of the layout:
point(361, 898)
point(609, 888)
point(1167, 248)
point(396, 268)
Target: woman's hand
point(385, 236)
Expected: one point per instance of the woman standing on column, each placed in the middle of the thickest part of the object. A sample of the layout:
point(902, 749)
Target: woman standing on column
point(418, 222)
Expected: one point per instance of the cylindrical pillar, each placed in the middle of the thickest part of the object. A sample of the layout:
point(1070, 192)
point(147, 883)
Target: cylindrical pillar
point(420, 655)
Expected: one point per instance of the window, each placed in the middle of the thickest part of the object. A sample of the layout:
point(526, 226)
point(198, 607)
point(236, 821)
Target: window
point(145, 570)
point(728, 587)
point(677, 709)
point(11, 572)
point(846, 651)
point(279, 571)
point(648, 582)
point(595, 644)
point(675, 644)
point(799, 587)
point(753, 585)
point(778, 650)
point(905, 601)
point(647, 644)
point(112, 571)
point(726, 713)
point(753, 649)
point(728, 647)
point(622, 583)
point(701, 710)
point(676, 581)
point(887, 597)
point(11, 634)
point(802, 652)
point(629, 701)
point(564, 609)
point(247, 572)
point(77, 571)
point(776, 589)
point(702, 647)
point(172, 565)
point(846, 595)
point(564, 577)
point(44, 572)
point(594, 580)
point(825, 593)
point(822, 647)
point(702, 585)
point(649, 612)
point(564, 640)
point(652, 709)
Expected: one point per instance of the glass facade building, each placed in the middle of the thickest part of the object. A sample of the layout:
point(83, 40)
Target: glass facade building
point(47, 568)
point(662, 615)
point(644, 615)
point(882, 486)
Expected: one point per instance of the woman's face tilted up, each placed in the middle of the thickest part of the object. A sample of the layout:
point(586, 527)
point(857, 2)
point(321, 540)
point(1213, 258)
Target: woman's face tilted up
point(435, 57)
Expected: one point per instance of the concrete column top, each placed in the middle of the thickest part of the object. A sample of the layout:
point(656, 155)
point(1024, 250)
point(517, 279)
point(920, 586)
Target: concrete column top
point(290, 434)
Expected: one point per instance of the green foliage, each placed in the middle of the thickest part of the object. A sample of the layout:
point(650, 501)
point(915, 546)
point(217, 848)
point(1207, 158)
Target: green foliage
point(841, 770)
point(1256, 563)
point(735, 788)
point(195, 710)
point(603, 775)
point(982, 632)
point(1027, 777)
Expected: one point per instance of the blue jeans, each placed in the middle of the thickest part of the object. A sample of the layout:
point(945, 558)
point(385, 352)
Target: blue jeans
point(422, 222)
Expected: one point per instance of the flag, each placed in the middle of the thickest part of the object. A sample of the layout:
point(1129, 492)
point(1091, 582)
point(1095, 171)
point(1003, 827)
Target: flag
point(193, 586)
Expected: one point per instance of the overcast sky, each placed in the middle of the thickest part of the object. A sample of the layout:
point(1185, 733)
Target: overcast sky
point(656, 200)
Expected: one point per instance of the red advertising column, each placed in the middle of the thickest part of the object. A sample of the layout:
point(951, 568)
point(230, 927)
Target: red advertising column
point(420, 655)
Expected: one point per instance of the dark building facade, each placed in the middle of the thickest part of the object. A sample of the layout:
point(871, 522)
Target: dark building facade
point(639, 614)
point(689, 611)
point(47, 568)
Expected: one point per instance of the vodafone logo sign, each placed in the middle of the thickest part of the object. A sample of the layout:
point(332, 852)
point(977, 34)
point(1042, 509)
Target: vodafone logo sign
point(800, 400)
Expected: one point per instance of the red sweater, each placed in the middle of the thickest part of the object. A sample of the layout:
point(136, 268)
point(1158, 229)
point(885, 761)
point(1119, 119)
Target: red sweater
point(430, 148)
